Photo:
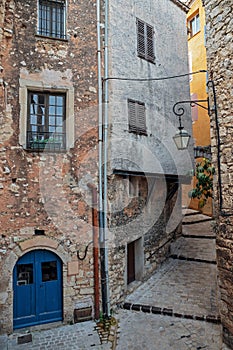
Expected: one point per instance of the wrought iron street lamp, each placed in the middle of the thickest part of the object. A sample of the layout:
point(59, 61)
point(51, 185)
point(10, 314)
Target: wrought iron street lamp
point(181, 137)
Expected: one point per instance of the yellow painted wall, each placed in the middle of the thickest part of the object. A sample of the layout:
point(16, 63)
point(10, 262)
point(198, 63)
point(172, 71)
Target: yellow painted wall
point(201, 126)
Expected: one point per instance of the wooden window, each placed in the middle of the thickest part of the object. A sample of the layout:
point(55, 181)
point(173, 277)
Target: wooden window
point(51, 21)
point(137, 117)
point(145, 41)
point(46, 121)
point(194, 25)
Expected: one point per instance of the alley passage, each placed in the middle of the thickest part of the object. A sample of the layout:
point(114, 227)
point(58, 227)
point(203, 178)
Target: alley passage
point(177, 308)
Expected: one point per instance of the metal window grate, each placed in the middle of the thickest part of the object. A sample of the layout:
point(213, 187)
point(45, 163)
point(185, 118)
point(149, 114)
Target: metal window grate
point(137, 117)
point(145, 41)
point(52, 19)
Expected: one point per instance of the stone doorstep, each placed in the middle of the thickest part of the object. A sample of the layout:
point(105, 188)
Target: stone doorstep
point(170, 312)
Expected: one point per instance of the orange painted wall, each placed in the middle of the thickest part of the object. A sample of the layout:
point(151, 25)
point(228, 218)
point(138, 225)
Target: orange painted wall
point(201, 120)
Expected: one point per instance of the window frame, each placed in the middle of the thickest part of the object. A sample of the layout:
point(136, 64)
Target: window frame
point(44, 139)
point(137, 120)
point(50, 6)
point(196, 28)
point(145, 41)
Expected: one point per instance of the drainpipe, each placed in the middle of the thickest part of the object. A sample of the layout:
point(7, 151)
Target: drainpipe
point(95, 251)
point(102, 179)
point(106, 307)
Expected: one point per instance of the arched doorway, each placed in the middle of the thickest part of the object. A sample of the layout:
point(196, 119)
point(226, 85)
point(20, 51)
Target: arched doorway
point(37, 284)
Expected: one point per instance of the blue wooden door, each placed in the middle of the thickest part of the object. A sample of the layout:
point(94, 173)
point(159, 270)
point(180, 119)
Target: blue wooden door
point(37, 283)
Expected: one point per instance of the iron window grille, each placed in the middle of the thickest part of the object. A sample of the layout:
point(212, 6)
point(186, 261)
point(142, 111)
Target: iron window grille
point(137, 117)
point(145, 41)
point(51, 21)
point(46, 121)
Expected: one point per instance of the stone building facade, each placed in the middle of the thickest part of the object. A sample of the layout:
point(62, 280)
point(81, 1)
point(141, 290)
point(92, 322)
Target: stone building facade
point(219, 60)
point(55, 137)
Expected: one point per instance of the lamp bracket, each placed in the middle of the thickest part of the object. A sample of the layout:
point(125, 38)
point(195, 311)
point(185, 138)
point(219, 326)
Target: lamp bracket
point(179, 110)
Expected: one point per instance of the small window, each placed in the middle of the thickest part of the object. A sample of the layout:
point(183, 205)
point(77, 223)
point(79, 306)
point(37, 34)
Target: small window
point(145, 41)
point(51, 19)
point(24, 274)
point(46, 121)
point(137, 117)
point(49, 271)
point(194, 25)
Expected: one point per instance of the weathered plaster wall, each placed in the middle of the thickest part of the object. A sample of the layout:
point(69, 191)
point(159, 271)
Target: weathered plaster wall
point(155, 152)
point(219, 58)
point(145, 217)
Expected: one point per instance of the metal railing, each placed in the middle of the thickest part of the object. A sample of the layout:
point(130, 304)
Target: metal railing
point(46, 141)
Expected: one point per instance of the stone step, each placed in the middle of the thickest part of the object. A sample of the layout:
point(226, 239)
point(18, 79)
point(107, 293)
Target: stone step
point(194, 249)
point(188, 212)
point(202, 229)
point(196, 218)
point(213, 318)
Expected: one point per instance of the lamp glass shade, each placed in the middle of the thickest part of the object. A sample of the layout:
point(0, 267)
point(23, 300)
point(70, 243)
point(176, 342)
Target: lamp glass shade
point(181, 139)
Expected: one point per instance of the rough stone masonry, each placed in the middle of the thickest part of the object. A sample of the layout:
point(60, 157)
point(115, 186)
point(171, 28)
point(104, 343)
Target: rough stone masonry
point(219, 56)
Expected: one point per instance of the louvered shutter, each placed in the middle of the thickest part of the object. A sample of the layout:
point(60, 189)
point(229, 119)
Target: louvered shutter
point(132, 116)
point(141, 39)
point(150, 43)
point(141, 118)
point(145, 41)
point(137, 117)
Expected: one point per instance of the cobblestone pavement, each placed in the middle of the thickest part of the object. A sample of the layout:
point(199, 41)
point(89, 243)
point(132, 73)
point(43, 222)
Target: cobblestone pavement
point(177, 301)
point(170, 311)
point(184, 286)
point(80, 336)
point(155, 332)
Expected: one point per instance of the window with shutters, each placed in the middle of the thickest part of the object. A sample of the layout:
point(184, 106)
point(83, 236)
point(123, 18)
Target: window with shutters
point(51, 19)
point(137, 117)
point(145, 41)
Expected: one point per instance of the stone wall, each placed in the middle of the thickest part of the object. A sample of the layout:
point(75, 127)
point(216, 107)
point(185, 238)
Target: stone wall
point(47, 191)
point(149, 217)
point(219, 60)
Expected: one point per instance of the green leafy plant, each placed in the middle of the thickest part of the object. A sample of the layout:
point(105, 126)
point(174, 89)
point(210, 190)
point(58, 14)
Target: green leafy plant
point(204, 185)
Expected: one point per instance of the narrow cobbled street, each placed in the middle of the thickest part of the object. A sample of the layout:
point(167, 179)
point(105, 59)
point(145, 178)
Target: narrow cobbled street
point(177, 308)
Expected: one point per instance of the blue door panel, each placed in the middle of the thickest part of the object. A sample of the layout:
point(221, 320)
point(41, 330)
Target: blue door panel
point(37, 289)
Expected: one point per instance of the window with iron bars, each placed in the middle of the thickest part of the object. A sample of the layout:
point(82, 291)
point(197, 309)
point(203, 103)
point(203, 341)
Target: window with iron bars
point(137, 117)
point(46, 121)
point(51, 21)
point(145, 41)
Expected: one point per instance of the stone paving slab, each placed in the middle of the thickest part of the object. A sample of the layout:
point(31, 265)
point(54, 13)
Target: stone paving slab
point(195, 248)
point(80, 336)
point(154, 332)
point(184, 286)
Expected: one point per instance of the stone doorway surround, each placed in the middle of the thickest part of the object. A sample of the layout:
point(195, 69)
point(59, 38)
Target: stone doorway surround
point(6, 292)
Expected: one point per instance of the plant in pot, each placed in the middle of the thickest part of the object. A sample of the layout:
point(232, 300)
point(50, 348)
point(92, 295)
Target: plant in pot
point(204, 186)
